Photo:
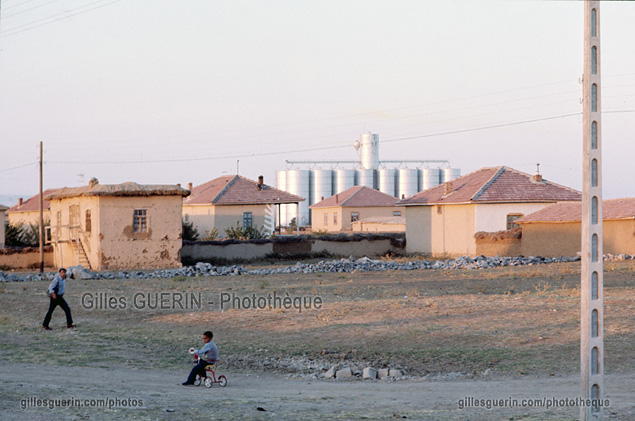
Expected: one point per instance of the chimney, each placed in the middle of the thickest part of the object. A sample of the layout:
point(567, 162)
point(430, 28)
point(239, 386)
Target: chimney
point(261, 182)
point(20, 201)
point(178, 185)
point(93, 182)
point(448, 188)
point(322, 198)
point(189, 186)
point(537, 178)
point(337, 198)
point(403, 196)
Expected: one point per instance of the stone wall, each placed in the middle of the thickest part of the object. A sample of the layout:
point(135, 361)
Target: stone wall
point(25, 258)
point(357, 245)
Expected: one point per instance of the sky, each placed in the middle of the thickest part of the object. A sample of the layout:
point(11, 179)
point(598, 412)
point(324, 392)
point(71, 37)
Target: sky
point(166, 92)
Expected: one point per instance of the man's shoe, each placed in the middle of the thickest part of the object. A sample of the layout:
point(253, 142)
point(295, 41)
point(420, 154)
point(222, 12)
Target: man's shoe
point(70, 326)
point(187, 384)
point(46, 328)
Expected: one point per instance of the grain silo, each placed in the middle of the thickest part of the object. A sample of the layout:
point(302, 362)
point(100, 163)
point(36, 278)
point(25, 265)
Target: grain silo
point(408, 182)
point(299, 183)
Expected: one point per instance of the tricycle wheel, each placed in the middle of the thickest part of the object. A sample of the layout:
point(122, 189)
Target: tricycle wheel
point(208, 382)
point(222, 380)
point(197, 382)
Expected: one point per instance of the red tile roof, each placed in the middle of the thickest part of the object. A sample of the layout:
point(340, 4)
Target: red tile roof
point(124, 189)
point(572, 212)
point(32, 204)
point(494, 185)
point(358, 197)
point(237, 190)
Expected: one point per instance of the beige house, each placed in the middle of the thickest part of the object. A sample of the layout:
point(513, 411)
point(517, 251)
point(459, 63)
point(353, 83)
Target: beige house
point(117, 226)
point(339, 212)
point(28, 211)
point(442, 221)
point(2, 222)
point(556, 230)
point(228, 201)
point(380, 224)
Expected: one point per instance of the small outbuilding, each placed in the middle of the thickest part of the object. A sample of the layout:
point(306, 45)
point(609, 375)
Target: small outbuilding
point(556, 230)
point(341, 211)
point(117, 226)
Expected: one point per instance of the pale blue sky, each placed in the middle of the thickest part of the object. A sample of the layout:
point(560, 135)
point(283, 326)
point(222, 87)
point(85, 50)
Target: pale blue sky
point(113, 90)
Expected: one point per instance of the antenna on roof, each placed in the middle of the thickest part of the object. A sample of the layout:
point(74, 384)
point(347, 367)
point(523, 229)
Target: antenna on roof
point(537, 168)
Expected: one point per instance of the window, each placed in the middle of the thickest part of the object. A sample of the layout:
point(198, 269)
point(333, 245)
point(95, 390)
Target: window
point(439, 210)
point(326, 218)
point(396, 213)
point(248, 219)
point(594, 98)
point(511, 218)
point(140, 220)
point(594, 22)
point(594, 60)
point(88, 227)
point(334, 218)
point(354, 216)
point(594, 135)
point(73, 216)
point(594, 173)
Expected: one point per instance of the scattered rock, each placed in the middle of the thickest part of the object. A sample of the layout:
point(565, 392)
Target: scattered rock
point(330, 373)
point(369, 373)
point(344, 373)
point(394, 373)
point(382, 373)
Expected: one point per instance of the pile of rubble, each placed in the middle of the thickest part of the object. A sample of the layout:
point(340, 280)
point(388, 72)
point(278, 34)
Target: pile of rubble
point(348, 265)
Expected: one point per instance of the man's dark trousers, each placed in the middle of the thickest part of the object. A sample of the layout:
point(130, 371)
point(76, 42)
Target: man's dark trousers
point(58, 301)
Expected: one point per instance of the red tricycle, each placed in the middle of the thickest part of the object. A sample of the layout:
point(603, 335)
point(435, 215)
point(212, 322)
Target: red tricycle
point(210, 375)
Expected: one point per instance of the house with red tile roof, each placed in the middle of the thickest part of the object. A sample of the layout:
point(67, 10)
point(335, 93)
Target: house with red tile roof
point(28, 211)
point(442, 221)
point(232, 200)
point(556, 230)
point(340, 211)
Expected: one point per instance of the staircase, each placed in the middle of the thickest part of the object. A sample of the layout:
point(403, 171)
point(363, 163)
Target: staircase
point(80, 252)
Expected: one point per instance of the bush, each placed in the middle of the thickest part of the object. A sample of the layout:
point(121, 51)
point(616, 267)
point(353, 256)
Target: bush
point(210, 235)
point(247, 233)
point(23, 235)
point(189, 232)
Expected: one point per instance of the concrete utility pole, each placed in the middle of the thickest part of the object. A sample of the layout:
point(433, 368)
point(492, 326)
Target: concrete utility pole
point(41, 211)
point(592, 276)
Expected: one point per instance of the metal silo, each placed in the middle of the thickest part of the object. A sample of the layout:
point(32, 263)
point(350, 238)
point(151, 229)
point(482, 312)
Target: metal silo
point(408, 182)
point(281, 184)
point(450, 174)
point(299, 182)
point(321, 185)
point(345, 179)
point(365, 178)
point(431, 178)
point(387, 180)
point(369, 150)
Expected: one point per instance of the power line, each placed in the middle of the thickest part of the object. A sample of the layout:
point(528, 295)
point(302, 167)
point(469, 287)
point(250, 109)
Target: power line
point(315, 149)
point(14, 168)
point(29, 9)
point(13, 31)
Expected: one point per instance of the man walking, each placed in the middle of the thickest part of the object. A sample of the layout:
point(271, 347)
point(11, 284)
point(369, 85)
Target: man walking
point(56, 292)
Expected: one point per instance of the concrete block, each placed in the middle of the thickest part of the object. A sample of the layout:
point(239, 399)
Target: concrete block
point(344, 373)
point(369, 373)
point(382, 373)
point(394, 373)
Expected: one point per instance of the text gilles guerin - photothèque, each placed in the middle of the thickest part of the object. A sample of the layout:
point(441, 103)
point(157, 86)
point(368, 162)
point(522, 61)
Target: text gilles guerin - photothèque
point(177, 300)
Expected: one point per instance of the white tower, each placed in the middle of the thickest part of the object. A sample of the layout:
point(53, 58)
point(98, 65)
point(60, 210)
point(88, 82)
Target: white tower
point(369, 151)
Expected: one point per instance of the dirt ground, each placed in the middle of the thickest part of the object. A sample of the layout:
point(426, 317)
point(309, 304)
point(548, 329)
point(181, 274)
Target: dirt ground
point(487, 334)
point(163, 397)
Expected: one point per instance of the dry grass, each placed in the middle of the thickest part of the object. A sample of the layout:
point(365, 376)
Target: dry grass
point(522, 320)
